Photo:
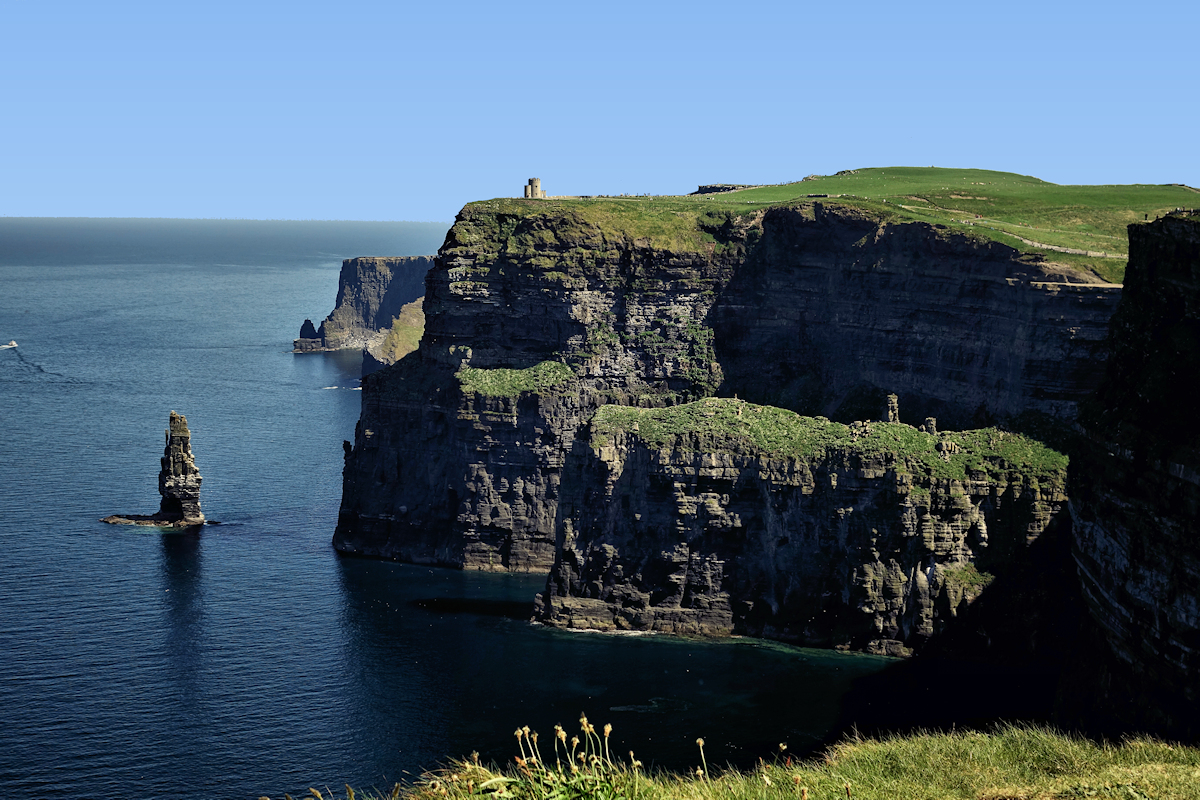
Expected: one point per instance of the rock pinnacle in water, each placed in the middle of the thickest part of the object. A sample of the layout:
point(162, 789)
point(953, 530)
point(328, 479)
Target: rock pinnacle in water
point(179, 480)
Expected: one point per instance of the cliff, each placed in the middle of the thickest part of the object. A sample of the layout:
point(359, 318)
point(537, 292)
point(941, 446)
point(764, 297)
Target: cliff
point(833, 309)
point(1137, 508)
point(721, 516)
point(533, 321)
point(373, 293)
point(538, 314)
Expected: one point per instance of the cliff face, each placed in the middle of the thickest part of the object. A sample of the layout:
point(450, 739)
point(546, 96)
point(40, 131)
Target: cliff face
point(833, 310)
point(722, 517)
point(372, 293)
point(538, 315)
point(532, 323)
point(1137, 509)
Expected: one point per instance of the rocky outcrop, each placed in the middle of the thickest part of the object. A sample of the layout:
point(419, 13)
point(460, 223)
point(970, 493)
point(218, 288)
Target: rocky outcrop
point(721, 517)
point(1136, 510)
point(372, 295)
point(178, 482)
point(459, 457)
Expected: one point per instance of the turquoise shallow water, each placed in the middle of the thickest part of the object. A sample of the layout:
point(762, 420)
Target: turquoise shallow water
point(250, 658)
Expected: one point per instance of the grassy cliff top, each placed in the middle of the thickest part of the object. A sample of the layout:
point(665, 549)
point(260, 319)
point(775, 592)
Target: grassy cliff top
point(1026, 213)
point(724, 425)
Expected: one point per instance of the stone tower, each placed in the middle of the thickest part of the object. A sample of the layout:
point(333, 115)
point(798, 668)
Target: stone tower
point(534, 189)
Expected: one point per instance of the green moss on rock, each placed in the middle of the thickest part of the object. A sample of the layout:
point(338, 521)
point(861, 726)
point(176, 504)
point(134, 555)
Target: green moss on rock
point(543, 377)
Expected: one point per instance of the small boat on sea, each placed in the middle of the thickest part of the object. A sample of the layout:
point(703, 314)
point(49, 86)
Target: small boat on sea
point(11, 343)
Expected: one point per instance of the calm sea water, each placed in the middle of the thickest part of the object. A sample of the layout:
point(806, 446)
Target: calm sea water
point(250, 658)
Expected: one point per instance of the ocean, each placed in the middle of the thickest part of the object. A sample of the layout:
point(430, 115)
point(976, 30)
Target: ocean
point(249, 658)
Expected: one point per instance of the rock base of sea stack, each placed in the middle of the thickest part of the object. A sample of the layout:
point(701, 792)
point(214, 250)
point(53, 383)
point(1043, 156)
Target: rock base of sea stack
point(178, 483)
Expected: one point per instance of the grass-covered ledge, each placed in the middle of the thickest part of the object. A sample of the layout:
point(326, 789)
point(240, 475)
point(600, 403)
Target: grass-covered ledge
point(726, 425)
point(511, 382)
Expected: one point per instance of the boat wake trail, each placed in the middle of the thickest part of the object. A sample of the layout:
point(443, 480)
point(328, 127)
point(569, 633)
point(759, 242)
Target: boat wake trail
point(33, 368)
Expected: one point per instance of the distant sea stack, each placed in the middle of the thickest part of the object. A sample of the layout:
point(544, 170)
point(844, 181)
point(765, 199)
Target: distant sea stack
point(178, 483)
point(378, 305)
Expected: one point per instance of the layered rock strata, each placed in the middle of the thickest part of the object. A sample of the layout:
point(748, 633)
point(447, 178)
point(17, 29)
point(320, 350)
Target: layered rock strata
point(532, 323)
point(722, 516)
point(460, 453)
point(834, 308)
point(178, 482)
point(372, 295)
point(459, 456)
point(1137, 507)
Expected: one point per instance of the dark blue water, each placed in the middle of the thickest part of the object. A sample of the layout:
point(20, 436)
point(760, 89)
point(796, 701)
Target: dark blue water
point(250, 658)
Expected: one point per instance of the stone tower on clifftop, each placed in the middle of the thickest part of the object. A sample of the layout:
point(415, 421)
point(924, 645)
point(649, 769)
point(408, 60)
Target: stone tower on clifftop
point(534, 188)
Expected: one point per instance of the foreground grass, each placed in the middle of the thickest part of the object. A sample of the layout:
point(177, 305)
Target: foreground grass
point(1010, 763)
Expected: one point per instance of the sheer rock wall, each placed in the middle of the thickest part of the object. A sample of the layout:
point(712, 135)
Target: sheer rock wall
point(1137, 506)
point(444, 471)
point(874, 541)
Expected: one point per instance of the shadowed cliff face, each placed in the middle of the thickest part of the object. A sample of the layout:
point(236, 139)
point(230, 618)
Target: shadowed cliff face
point(873, 537)
point(450, 472)
point(833, 310)
point(461, 456)
point(1137, 507)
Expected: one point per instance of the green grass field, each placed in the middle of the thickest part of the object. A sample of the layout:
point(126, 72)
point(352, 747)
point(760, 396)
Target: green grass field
point(1009, 763)
point(1026, 213)
point(1006, 205)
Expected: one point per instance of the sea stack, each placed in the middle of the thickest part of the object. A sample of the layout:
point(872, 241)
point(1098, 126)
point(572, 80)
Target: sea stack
point(178, 483)
point(179, 480)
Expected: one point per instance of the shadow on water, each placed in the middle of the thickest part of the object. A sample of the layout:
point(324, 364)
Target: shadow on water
point(509, 609)
point(183, 602)
point(445, 663)
point(342, 366)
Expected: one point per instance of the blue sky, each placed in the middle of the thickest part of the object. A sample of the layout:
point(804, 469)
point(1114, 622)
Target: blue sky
point(406, 111)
